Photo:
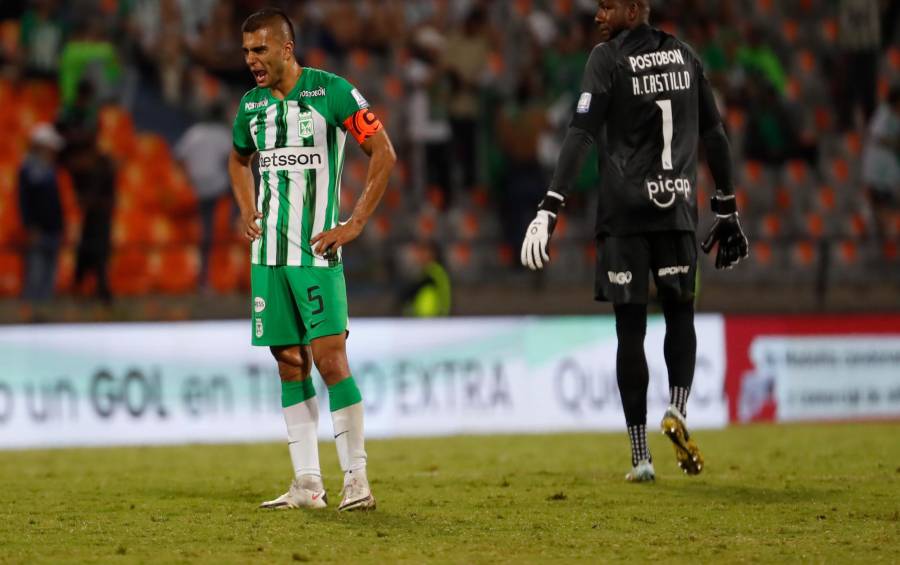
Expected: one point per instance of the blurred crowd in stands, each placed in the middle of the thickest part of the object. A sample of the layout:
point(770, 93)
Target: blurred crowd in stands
point(116, 121)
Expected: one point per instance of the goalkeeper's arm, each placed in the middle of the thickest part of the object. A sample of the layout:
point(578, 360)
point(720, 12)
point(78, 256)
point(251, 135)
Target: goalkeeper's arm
point(574, 150)
point(726, 229)
point(590, 113)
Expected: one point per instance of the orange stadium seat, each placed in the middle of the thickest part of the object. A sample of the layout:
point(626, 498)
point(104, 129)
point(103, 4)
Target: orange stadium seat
point(853, 144)
point(382, 227)
point(856, 226)
point(505, 256)
point(11, 231)
point(792, 89)
point(893, 58)
point(223, 226)
point(175, 270)
point(65, 270)
point(803, 254)
point(12, 272)
point(131, 227)
point(829, 30)
point(117, 137)
point(227, 264)
point(436, 197)
point(770, 226)
point(460, 261)
point(889, 251)
point(10, 31)
point(783, 198)
point(42, 99)
point(129, 272)
point(762, 253)
point(815, 225)
point(826, 198)
point(317, 58)
point(71, 211)
point(764, 6)
point(848, 253)
point(426, 225)
point(589, 252)
point(152, 150)
point(393, 87)
point(789, 30)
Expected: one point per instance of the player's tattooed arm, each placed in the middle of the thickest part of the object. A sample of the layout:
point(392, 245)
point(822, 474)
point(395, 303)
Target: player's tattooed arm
point(245, 194)
point(381, 162)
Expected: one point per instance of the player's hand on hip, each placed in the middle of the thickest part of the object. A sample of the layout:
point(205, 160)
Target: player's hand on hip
point(726, 231)
point(535, 253)
point(250, 225)
point(328, 242)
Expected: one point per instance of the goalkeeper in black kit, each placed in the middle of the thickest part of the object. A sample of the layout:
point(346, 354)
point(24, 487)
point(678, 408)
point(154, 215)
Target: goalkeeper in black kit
point(646, 103)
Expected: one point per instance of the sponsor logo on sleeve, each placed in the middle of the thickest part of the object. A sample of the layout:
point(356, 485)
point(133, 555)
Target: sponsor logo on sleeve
point(259, 327)
point(584, 103)
point(259, 304)
point(360, 101)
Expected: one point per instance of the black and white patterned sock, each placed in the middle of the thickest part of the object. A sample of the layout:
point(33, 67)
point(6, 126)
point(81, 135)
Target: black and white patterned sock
point(639, 449)
point(679, 397)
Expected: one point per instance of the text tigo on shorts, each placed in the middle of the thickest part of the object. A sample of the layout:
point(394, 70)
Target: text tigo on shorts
point(624, 264)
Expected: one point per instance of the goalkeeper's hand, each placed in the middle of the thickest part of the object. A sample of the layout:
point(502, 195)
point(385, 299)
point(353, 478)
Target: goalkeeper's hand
point(726, 231)
point(535, 253)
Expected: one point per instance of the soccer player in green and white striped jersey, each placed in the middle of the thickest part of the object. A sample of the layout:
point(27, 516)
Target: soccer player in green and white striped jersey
point(297, 120)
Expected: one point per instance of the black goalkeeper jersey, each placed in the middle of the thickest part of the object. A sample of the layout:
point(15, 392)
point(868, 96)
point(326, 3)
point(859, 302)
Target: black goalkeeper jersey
point(647, 90)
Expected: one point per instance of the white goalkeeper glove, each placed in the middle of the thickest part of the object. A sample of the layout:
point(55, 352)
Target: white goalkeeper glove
point(535, 253)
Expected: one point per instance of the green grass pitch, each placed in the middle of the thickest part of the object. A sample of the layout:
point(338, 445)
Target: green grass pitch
point(800, 493)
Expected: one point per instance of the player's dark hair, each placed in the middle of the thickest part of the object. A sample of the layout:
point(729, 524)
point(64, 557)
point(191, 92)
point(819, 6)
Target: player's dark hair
point(268, 17)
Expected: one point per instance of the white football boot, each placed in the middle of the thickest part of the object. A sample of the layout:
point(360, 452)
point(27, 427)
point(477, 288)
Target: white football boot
point(356, 491)
point(304, 493)
point(643, 472)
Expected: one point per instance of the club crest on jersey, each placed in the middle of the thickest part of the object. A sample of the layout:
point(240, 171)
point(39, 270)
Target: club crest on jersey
point(306, 124)
point(662, 191)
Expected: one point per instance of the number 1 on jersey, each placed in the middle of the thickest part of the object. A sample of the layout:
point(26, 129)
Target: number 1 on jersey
point(667, 129)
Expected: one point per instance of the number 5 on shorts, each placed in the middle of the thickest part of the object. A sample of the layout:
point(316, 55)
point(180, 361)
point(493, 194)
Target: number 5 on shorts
point(315, 298)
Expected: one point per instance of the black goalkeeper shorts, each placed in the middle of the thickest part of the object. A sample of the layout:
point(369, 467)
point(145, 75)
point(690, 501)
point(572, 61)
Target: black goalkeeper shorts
point(625, 262)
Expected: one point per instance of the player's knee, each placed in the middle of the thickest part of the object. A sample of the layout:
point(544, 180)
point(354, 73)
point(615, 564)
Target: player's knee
point(631, 321)
point(332, 363)
point(293, 362)
point(678, 312)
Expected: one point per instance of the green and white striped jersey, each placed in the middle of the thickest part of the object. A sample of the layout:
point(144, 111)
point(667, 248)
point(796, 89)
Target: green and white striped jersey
point(300, 141)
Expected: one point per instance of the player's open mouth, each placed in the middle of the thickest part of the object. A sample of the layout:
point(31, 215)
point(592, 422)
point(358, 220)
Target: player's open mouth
point(260, 75)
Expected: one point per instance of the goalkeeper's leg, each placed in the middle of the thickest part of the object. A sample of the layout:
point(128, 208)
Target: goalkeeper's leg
point(680, 350)
point(633, 378)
